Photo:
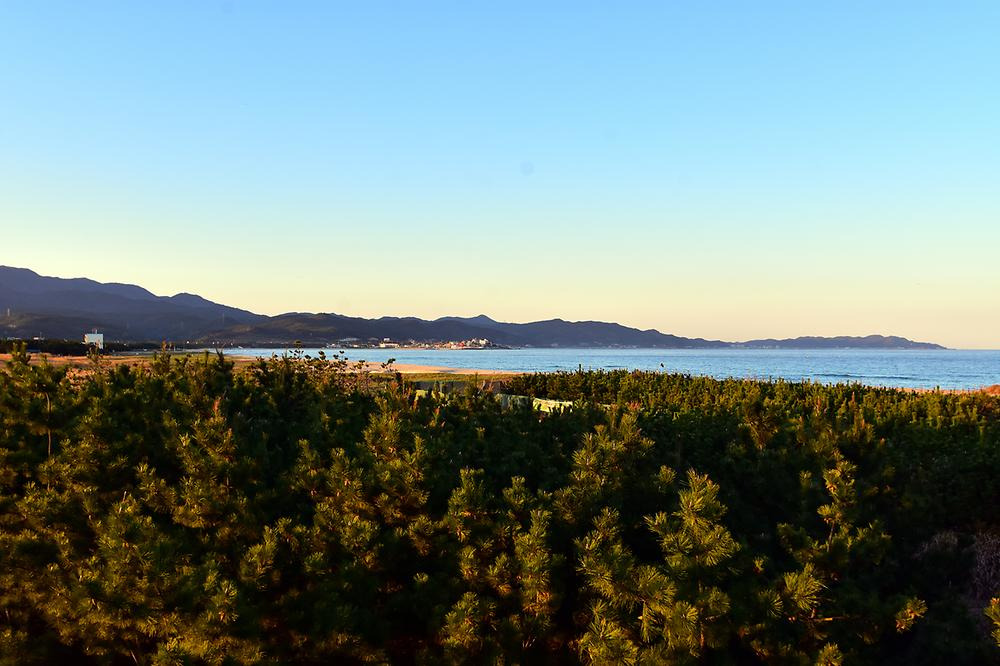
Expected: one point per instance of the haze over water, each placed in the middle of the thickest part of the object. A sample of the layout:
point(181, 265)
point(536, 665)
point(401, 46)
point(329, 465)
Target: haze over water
point(946, 369)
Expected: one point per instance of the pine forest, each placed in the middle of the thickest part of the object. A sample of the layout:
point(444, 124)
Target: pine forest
point(184, 511)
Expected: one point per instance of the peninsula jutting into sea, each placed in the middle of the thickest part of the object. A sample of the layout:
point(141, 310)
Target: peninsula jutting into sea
point(32, 305)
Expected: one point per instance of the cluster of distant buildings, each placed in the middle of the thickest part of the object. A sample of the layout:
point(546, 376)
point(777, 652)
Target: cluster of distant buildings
point(472, 343)
point(94, 339)
point(389, 343)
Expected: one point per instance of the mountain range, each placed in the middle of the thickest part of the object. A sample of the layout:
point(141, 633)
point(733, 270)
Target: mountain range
point(35, 305)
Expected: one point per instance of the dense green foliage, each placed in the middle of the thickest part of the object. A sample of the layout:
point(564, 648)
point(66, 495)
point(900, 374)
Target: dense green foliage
point(293, 513)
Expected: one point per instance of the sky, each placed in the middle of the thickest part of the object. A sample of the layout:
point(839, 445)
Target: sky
point(728, 170)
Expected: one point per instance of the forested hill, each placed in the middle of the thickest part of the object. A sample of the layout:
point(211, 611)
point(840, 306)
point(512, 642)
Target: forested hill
point(840, 342)
point(34, 305)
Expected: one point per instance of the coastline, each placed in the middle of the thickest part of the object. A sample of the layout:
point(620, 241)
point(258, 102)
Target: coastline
point(414, 368)
point(406, 369)
point(83, 362)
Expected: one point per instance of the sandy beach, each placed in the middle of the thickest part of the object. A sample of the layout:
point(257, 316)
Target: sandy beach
point(82, 362)
point(414, 369)
point(243, 361)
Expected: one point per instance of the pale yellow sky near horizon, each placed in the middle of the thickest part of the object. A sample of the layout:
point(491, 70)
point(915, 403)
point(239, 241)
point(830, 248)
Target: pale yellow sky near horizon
point(734, 280)
point(948, 311)
point(711, 270)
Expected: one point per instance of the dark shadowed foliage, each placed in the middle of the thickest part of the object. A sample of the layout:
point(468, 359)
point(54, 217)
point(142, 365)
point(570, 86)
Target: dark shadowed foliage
point(185, 513)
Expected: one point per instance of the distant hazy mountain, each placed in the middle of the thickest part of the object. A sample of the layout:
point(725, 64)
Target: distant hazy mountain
point(840, 342)
point(34, 305)
point(56, 307)
point(317, 328)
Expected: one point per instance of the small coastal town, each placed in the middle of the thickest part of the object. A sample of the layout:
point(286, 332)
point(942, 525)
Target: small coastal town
point(389, 343)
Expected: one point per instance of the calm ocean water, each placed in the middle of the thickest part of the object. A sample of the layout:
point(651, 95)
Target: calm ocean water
point(917, 369)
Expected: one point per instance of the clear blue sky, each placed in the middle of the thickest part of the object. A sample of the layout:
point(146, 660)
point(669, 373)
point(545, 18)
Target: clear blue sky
point(720, 169)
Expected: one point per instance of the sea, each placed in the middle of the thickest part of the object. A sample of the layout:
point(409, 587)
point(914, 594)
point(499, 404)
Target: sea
point(925, 369)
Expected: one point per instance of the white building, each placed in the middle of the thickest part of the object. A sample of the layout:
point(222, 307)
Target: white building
point(96, 339)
